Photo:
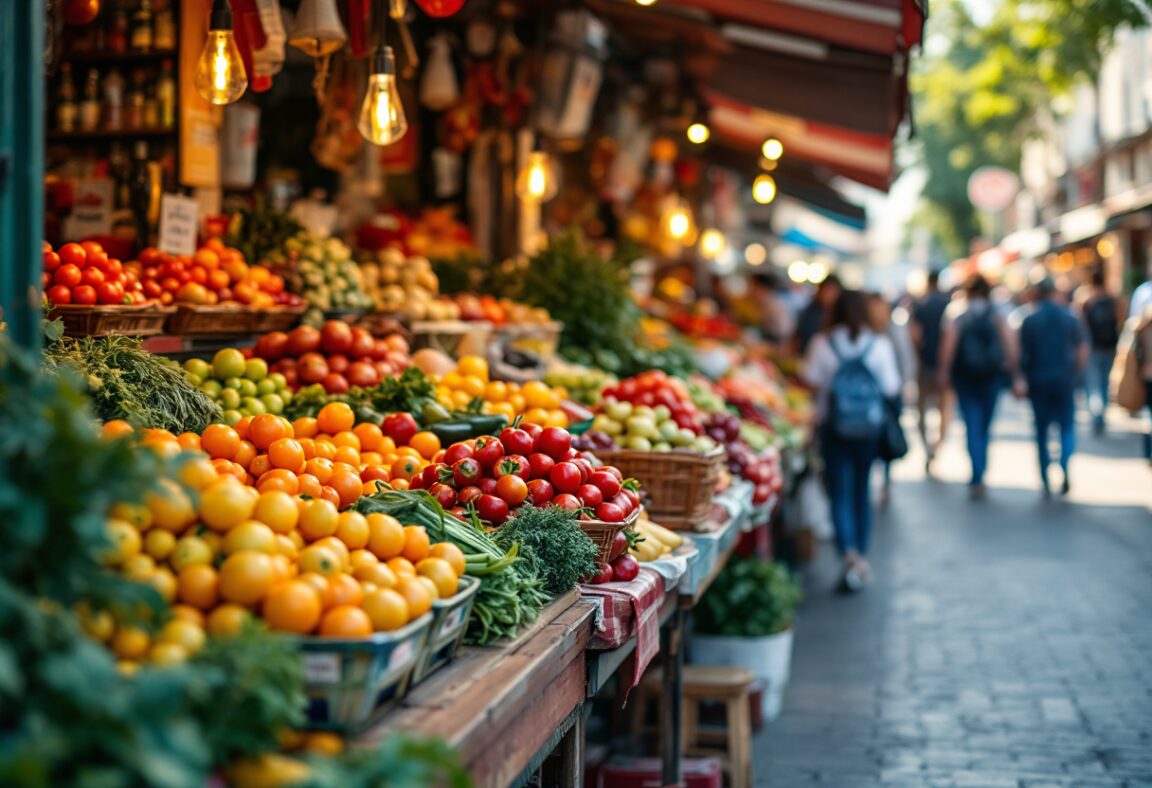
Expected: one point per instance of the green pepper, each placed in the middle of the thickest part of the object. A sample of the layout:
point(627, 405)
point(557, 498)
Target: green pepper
point(470, 426)
point(434, 413)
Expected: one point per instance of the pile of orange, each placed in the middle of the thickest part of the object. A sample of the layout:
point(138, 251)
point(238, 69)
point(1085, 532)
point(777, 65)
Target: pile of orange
point(252, 526)
point(536, 401)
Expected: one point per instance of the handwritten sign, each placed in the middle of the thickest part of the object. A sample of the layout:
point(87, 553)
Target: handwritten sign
point(91, 209)
point(178, 224)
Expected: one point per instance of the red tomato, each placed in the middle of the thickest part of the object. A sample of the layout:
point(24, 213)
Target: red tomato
point(152, 288)
point(466, 472)
point(488, 451)
point(84, 294)
point(443, 494)
point(435, 473)
point(68, 274)
point(515, 464)
point(532, 429)
point(540, 465)
point(612, 469)
point(469, 494)
point(566, 501)
point(45, 280)
point(585, 468)
point(73, 254)
point(457, 452)
point(609, 485)
point(540, 492)
point(92, 276)
point(51, 260)
point(610, 513)
point(361, 373)
point(338, 362)
point(512, 489)
point(336, 384)
point(59, 294)
point(565, 477)
point(516, 441)
point(492, 509)
point(110, 293)
point(362, 344)
point(199, 275)
point(336, 337)
point(590, 495)
point(312, 368)
point(555, 442)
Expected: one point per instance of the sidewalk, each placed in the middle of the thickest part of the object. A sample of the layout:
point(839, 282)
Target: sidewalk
point(1005, 642)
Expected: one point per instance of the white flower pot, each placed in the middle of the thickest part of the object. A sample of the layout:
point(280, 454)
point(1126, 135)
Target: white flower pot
point(769, 658)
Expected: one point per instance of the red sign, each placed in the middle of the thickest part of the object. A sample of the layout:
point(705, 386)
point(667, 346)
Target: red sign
point(992, 189)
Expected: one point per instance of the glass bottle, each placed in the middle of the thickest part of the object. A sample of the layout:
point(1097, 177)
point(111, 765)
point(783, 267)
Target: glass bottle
point(164, 27)
point(90, 106)
point(66, 110)
point(142, 27)
point(114, 99)
point(166, 95)
point(118, 32)
point(142, 184)
point(120, 167)
point(134, 112)
point(151, 107)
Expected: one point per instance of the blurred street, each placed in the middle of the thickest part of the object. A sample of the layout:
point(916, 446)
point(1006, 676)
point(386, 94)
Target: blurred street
point(1005, 642)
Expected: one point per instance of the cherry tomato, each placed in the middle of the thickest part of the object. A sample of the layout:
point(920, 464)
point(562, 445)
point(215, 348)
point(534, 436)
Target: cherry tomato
point(469, 494)
point(72, 254)
point(515, 464)
point(92, 276)
point(443, 494)
point(609, 485)
point(590, 495)
point(610, 513)
point(51, 260)
point(585, 468)
point(629, 500)
point(45, 280)
point(110, 293)
point(457, 452)
point(565, 477)
point(487, 486)
point(488, 451)
point(566, 501)
point(625, 568)
point(516, 441)
point(533, 430)
point(435, 473)
point(466, 472)
point(612, 469)
point(59, 294)
point(540, 492)
point(512, 489)
point(84, 294)
point(619, 545)
point(555, 442)
point(492, 509)
point(540, 465)
point(68, 274)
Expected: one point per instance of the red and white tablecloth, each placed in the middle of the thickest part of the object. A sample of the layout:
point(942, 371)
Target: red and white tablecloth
point(628, 609)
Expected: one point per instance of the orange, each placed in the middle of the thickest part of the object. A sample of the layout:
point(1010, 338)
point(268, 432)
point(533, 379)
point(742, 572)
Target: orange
point(198, 586)
point(324, 449)
point(401, 567)
point(353, 530)
point(335, 417)
point(229, 468)
point(347, 485)
point(309, 485)
point(226, 503)
point(309, 447)
point(188, 551)
point(427, 443)
point(370, 436)
point(286, 547)
point(379, 575)
point(242, 427)
point(416, 543)
point(246, 576)
point(278, 510)
point(292, 606)
point(361, 561)
point(441, 573)
point(304, 427)
point(319, 559)
point(349, 439)
point(385, 536)
point(320, 585)
point(318, 518)
point(330, 495)
point(188, 613)
point(197, 472)
point(250, 535)
point(117, 428)
point(278, 479)
point(347, 454)
point(259, 466)
point(416, 594)
point(245, 454)
point(189, 441)
point(170, 506)
point(346, 590)
point(433, 590)
point(228, 619)
point(131, 643)
point(287, 453)
point(284, 568)
point(404, 468)
point(319, 467)
point(338, 548)
point(386, 609)
point(345, 621)
point(220, 441)
point(399, 484)
point(450, 553)
point(371, 458)
point(266, 429)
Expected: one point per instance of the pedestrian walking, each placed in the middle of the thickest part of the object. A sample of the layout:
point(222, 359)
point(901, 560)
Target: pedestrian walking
point(814, 315)
point(775, 316)
point(927, 321)
point(1143, 350)
point(976, 354)
point(1141, 299)
point(853, 370)
point(1053, 353)
point(893, 323)
point(1103, 314)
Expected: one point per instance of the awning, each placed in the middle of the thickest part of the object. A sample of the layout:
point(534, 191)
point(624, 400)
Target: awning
point(802, 225)
point(880, 26)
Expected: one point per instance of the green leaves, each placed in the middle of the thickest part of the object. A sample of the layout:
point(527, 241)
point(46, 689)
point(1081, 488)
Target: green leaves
point(750, 598)
point(552, 543)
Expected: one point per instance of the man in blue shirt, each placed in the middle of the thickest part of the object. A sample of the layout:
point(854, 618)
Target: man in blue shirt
point(1053, 353)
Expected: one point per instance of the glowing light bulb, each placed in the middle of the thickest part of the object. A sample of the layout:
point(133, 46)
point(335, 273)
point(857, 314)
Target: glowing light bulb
point(712, 243)
point(698, 133)
point(645, 2)
point(382, 119)
point(764, 189)
point(817, 272)
point(220, 75)
point(798, 272)
point(755, 254)
point(772, 149)
point(537, 182)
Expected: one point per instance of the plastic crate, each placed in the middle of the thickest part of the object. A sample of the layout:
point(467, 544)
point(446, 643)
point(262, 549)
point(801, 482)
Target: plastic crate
point(449, 622)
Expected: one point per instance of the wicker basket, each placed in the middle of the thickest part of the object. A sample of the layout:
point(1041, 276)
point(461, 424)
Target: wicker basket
point(602, 533)
point(103, 321)
point(279, 318)
point(680, 484)
point(215, 319)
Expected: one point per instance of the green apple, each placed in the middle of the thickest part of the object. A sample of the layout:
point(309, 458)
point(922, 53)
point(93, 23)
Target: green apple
point(211, 388)
point(253, 406)
point(278, 380)
point(198, 367)
point(232, 416)
point(637, 443)
point(274, 403)
point(265, 386)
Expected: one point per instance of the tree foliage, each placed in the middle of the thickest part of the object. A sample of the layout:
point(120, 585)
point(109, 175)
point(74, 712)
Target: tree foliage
point(978, 89)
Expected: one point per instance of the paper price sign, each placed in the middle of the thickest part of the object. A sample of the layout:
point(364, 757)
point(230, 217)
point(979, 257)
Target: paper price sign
point(178, 223)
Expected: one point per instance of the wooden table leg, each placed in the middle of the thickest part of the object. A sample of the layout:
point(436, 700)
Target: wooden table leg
point(739, 741)
point(566, 767)
point(670, 708)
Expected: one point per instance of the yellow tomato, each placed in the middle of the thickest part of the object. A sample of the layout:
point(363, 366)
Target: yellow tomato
point(476, 366)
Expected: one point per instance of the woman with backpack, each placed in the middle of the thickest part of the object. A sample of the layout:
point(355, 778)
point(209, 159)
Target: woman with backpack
point(853, 371)
point(977, 354)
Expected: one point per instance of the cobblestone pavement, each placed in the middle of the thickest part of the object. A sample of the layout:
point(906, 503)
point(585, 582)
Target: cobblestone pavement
point(1005, 642)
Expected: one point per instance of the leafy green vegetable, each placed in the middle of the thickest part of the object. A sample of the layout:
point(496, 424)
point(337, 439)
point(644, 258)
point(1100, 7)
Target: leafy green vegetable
point(127, 382)
point(751, 597)
point(552, 543)
point(411, 392)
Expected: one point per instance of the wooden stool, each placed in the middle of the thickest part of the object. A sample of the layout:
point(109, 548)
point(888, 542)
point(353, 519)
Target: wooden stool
point(728, 685)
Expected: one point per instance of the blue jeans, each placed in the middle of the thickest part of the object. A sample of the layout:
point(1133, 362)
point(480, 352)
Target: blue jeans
point(977, 407)
point(1096, 383)
point(1054, 403)
point(847, 468)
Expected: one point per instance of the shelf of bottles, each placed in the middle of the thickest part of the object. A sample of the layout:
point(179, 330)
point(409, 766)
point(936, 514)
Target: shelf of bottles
point(112, 106)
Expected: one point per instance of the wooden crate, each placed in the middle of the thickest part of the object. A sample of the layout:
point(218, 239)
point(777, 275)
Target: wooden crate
point(215, 319)
point(103, 321)
point(680, 484)
point(279, 318)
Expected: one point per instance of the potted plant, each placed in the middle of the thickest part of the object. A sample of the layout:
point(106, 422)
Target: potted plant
point(745, 620)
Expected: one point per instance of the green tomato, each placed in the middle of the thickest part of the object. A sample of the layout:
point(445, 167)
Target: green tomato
point(198, 367)
point(233, 383)
point(265, 386)
point(662, 446)
point(212, 388)
point(256, 369)
point(228, 363)
point(230, 398)
point(195, 380)
point(637, 443)
point(285, 394)
point(618, 411)
point(274, 403)
point(247, 388)
point(232, 416)
point(253, 406)
point(668, 430)
point(606, 425)
point(660, 412)
point(278, 380)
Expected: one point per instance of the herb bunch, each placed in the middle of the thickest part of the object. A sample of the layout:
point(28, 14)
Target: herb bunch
point(551, 543)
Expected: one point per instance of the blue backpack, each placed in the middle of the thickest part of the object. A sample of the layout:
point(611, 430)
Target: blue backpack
point(855, 401)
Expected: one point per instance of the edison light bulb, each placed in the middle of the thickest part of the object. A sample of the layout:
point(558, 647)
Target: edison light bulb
point(220, 76)
point(712, 243)
point(698, 133)
point(772, 149)
point(537, 182)
point(382, 119)
point(764, 189)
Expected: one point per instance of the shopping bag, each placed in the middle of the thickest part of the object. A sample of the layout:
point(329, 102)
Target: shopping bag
point(813, 509)
point(1125, 383)
point(893, 442)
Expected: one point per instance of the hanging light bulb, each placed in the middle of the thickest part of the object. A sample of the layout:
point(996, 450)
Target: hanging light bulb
point(537, 182)
point(382, 119)
point(220, 76)
point(645, 2)
point(712, 243)
point(678, 224)
point(772, 149)
point(764, 189)
point(698, 133)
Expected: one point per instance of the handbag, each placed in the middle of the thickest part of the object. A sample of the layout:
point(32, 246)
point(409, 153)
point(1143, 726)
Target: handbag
point(893, 442)
point(1126, 384)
